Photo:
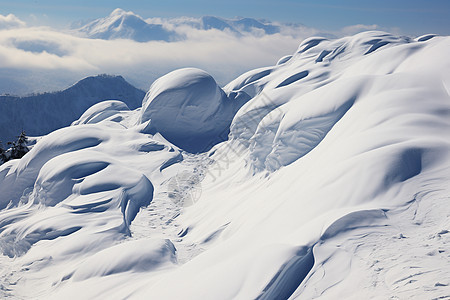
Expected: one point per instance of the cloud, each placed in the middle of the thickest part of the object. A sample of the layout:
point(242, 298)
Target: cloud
point(37, 59)
point(10, 21)
point(40, 50)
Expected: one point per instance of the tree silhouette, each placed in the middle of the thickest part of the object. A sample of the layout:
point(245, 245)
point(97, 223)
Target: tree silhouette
point(21, 145)
point(17, 149)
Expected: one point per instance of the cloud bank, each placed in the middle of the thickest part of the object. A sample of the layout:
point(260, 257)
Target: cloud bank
point(37, 59)
point(27, 53)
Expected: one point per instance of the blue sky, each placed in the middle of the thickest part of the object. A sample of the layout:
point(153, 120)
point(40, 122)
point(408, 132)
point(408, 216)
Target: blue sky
point(410, 17)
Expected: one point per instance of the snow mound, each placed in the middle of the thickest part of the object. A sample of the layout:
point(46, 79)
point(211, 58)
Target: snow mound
point(76, 173)
point(106, 110)
point(189, 109)
point(145, 255)
point(297, 102)
point(23, 173)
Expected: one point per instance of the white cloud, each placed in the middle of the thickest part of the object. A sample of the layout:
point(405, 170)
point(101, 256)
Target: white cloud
point(220, 53)
point(32, 56)
point(10, 21)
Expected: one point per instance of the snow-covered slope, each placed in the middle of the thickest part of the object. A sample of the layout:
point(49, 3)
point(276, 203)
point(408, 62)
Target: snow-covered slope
point(43, 113)
point(333, 184)
point(121, 24)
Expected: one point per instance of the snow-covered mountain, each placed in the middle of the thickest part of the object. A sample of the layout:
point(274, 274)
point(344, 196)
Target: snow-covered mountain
point(121, 24)
point(237, 25)
point(43, 113)
point(332, 184)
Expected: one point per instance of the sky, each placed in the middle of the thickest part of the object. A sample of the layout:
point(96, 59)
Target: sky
point(411, 17)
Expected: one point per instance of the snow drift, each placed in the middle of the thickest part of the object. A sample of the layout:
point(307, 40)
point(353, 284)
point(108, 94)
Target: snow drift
point(332, 183)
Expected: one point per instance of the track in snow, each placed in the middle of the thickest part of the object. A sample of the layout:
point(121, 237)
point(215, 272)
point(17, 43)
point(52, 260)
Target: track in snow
point(159, 219)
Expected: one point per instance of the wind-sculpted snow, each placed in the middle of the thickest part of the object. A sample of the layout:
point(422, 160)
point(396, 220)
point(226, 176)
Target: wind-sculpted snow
point(137, 256)
point(77, 182)
point(327, 178)
point(102, 111)
point(189, 109)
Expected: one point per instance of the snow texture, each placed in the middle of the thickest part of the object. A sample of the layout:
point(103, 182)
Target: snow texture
point(331, 182)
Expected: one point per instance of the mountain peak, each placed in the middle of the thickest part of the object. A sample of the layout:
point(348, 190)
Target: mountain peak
point(100, 79)
point(120, 12)
point(121, 24)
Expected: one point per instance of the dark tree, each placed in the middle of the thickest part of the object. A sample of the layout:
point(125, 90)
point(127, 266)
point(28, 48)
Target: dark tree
point(17, 149)
point(21, 145)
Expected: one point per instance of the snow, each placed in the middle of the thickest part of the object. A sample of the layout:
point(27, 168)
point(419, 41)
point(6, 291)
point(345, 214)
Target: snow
point(145, 255)
point(121, 24)
point(105, 110)
point(189, 109)
point(239, 25)
point(331, 182)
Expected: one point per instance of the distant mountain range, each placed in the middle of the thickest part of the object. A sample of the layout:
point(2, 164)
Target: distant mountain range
point(238, 25)
point(40, 114)
point(122, 24)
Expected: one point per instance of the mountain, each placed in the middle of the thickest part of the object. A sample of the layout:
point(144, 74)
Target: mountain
point(238, 25)
point(43, 113)
point(328, 179)
point(122, 24)
point(125, 25)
